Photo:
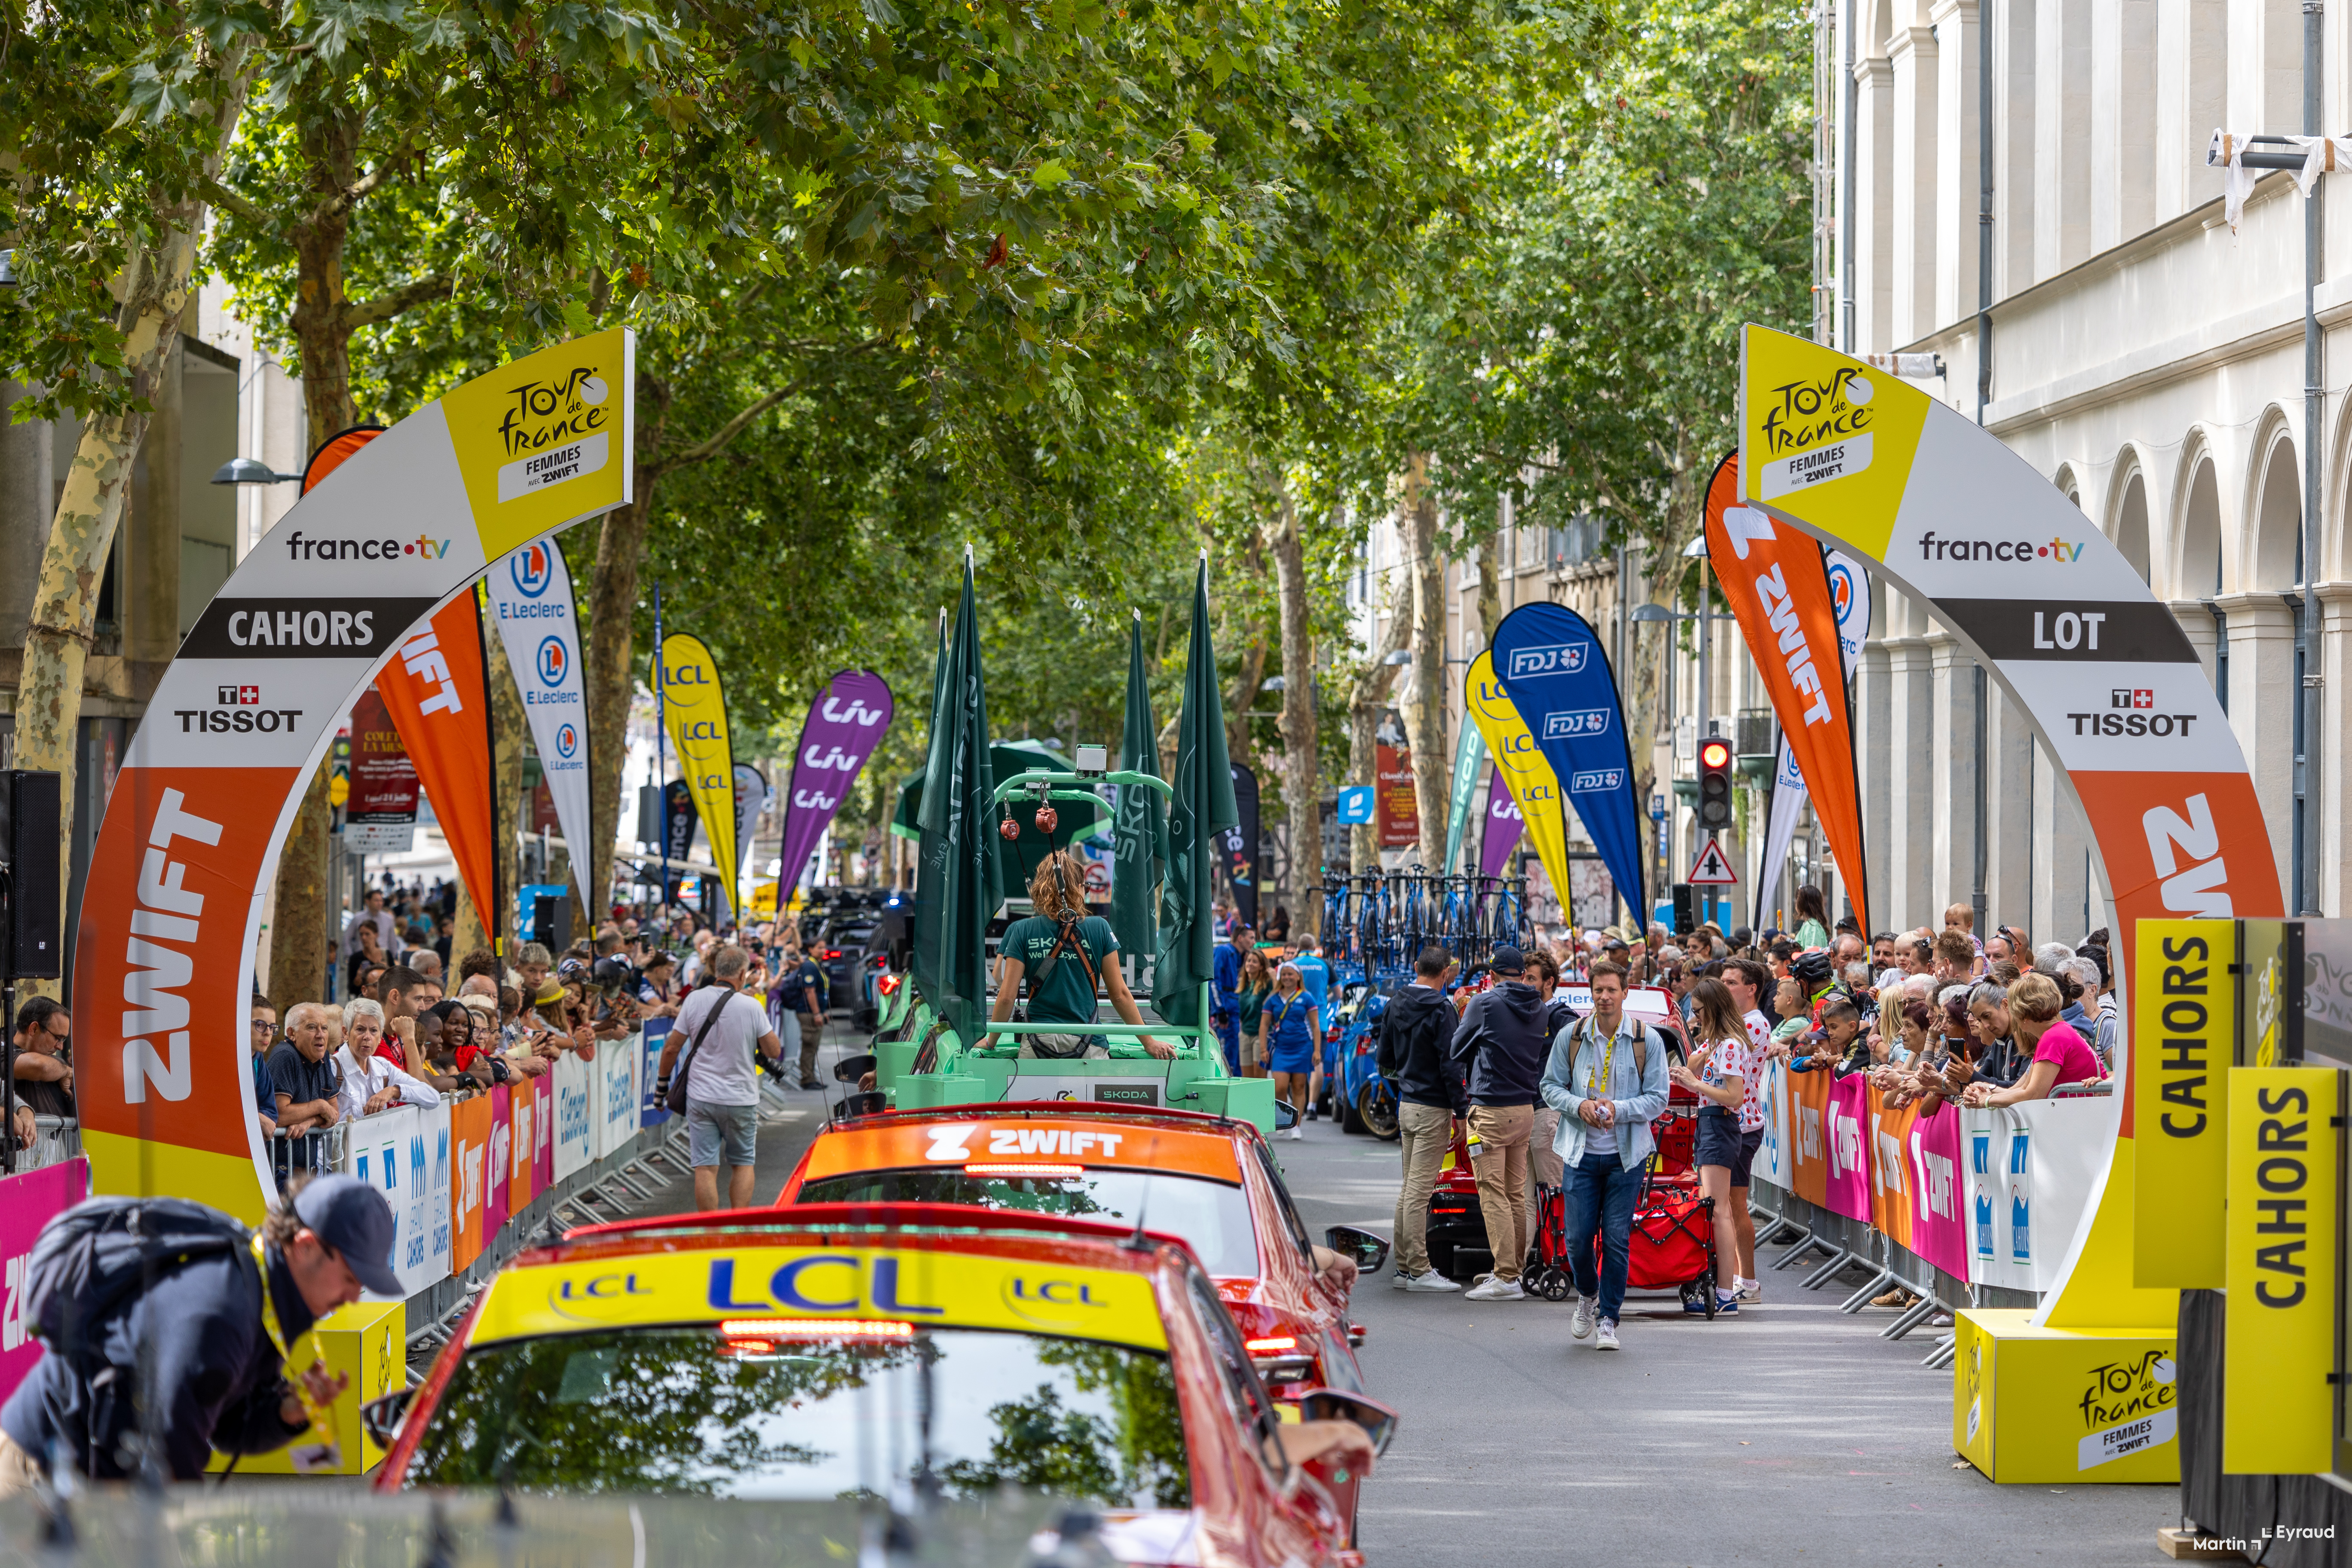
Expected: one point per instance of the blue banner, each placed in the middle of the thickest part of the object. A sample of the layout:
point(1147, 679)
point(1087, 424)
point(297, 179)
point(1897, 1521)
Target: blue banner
point(1555, 674)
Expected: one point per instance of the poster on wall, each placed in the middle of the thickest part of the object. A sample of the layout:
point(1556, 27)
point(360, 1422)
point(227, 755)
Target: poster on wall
point(379, 815)
point(1396, 808)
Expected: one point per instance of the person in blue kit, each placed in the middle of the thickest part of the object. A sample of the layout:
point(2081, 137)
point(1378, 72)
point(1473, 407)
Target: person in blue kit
point(1225, 1009)
point(219, 1330)
point(1293, 1025)
point(1317, 975)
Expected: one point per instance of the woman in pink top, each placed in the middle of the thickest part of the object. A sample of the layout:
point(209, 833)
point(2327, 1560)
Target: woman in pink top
point(2059, 1055)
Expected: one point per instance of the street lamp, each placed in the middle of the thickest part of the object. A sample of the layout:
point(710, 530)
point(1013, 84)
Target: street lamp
point(251, 471)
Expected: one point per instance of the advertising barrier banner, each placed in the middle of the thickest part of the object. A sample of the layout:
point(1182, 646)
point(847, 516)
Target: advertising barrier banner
point(651, 1111)
point(469, 1149)
point(1847, 1176)
point(1939, 1229)
point(1772, 1165)
point(523, 1110)
point(1809, 1161)
point(495, 1161)
point(28, 1202)
point(575, 1116)
point(617, 1112)
point(1892, 1209)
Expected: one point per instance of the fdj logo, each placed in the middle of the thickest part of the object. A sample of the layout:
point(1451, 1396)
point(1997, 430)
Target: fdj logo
point(567, 740)
point(1563, 658)
point(1576, 722)
point(1593, 780)
point(240, 697)
point(554, 661)
point(533, 568)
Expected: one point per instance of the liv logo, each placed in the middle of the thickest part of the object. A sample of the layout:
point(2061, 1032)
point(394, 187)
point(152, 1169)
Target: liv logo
point(533, 569)
point(554, 661)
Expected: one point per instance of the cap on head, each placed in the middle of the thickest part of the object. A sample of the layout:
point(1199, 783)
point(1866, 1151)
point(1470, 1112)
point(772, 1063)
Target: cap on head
point(353, 1217)
point(1508, 961)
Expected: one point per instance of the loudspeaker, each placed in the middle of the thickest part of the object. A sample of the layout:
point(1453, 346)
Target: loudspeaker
point(31, 840)
point(551, 921)
point(649, 814)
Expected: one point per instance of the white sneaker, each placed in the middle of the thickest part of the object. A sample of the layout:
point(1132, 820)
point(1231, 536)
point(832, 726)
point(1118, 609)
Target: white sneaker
point(1750, 1290)
point(1608, 1336)
point(1433, 1281)
point(1494, 1291)
point(1587, 1307)
point(1298, 1130)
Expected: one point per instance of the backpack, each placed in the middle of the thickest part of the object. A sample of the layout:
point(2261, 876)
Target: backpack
point(1641, 1050)
point(89, 1261)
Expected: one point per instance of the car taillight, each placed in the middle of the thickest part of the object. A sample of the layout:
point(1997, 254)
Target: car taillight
point(832, 952)
point(890, 985)
point(878, 960)
point(1273, 1345)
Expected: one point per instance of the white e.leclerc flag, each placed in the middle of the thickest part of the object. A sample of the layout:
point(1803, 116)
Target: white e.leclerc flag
point(530, 597)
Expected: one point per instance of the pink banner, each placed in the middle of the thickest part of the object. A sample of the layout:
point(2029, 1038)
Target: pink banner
point(1847, 1149)
point(542, 1138)
point(27, 1204)
point(1939, 1229)
point(494, 1174)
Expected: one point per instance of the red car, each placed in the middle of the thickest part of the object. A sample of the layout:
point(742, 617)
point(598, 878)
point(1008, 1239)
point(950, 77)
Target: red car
point(886, 1351)
point(1210, 1180)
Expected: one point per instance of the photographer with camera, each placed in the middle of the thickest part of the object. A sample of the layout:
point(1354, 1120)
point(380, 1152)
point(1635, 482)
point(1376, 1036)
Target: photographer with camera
point(719, 1035)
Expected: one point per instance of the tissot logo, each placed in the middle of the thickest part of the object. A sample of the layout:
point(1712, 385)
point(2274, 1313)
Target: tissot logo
point(1933, 547)
point(2131, 697)
point(240, 721)
point(239, 697)
point(2132, 724)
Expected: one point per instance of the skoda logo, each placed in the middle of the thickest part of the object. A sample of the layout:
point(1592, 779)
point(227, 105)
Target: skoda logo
point(567, 740)
point(554, 661)
point(533, 569)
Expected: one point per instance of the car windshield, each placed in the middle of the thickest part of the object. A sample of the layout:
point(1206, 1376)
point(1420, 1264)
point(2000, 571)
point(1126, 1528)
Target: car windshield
point(696, 1411)
point(1213, 1218)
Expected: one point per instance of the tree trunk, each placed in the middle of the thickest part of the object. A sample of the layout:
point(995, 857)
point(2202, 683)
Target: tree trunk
point(1425, 709)
point(90, 509)
point(1490, 587)
point(1365, 696)
point(1301, 765)
point(611, 630)
point(297, 940)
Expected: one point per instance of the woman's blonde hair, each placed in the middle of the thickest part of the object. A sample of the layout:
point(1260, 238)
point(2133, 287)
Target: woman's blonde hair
point(1058, 890)
point(2035, 998)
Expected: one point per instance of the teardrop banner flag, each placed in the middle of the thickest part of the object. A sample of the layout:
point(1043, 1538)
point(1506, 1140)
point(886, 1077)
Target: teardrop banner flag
point(1504, 825)
point(1776, 582)
point(751, 799)
point(1557, 675)
point(1524, 769)
point(170, 924)
point(1784, 802)
point(697, 711)
point(844, 726)
point(531, 600)
point(2095, 663)
point(438, 696)
point(1469, 751)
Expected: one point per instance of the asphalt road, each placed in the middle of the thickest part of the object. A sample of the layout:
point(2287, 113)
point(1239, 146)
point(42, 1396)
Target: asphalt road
point(1790, 1435)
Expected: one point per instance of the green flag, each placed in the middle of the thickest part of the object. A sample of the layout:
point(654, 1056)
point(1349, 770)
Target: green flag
point(1468, 753)
point(926, 906)
point(1143, 827)
point(1204, 808)
point(958, 879)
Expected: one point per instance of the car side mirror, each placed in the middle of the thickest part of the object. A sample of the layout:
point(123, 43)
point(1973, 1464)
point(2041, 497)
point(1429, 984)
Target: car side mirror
point(380, 1416)
point(1367, 1251)
point(1285, 1118)
point(851, 1070)
point(1377, 1419)
point(872, 1103)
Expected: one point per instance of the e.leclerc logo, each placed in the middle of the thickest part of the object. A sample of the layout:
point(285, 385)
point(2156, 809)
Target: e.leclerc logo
point(532, 570)
point(567, 740)
point(554, 661)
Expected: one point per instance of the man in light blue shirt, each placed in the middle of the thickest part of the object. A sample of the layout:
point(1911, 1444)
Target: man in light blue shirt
point(1607, 1078)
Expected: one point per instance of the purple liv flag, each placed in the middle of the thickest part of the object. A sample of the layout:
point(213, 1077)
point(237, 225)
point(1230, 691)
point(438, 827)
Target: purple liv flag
point(845, 723)
point(1502, 828)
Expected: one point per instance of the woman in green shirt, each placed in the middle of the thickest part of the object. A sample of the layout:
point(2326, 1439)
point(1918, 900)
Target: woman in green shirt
point(1257, 984)
point(1813, 918)
point(1064, 954)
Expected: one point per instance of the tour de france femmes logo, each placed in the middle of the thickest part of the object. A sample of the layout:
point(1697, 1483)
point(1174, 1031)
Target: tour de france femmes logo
point(1815, 429)
point(553, 430)
point(2127, 1407)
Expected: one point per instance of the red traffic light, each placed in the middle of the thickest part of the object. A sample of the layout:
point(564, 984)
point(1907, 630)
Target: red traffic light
point(1715, 754)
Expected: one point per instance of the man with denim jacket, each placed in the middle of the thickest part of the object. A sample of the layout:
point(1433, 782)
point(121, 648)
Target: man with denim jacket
point(1607, 1078)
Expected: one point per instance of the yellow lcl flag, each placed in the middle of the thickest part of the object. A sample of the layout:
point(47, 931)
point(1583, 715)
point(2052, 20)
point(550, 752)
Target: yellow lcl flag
point(696, 710)
point(1530, 778)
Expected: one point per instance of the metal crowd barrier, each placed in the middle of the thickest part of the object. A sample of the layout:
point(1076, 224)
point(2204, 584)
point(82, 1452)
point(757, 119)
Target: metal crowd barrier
point(306, 1153)
point(56, 1140)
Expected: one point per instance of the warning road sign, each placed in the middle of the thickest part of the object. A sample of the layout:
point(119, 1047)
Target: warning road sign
point(1713, 869)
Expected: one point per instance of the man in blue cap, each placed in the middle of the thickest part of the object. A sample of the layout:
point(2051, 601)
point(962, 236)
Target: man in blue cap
point(216, 1334)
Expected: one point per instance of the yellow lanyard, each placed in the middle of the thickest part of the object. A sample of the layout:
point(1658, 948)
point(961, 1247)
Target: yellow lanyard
point(322, 1420)
point(1608, 1066)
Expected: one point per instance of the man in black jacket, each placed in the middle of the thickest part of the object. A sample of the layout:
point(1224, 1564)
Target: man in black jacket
point(1503, 1042)
point(217, 1374)
point(1416, 1036)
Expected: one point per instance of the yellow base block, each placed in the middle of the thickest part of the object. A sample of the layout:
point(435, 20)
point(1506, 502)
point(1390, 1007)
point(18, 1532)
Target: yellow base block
point(119, 1166)
point(367, 1342)
point(2064, 1405)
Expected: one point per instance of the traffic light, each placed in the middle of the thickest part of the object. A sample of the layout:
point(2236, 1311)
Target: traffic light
point(1714, 787)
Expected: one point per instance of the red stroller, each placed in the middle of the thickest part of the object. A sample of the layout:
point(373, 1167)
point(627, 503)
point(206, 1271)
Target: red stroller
point(1673, 1243)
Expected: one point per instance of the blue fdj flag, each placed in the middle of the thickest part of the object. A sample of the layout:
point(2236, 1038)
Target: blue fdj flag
point(1555, 674)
